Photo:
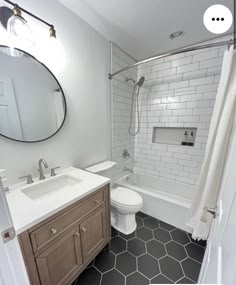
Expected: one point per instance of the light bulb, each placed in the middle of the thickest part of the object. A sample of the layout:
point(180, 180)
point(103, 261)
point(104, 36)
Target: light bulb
point(19, 31)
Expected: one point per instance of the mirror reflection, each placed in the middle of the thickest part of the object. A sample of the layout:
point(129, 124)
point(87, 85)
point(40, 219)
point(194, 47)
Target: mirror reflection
point(32, 102)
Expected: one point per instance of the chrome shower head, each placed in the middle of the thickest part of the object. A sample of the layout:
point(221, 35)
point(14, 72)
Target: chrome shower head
point(141, 81)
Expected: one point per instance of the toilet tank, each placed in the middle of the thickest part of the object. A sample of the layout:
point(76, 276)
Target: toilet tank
point(103, 168)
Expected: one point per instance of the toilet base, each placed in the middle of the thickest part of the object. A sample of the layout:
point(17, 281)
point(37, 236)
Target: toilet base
point(126, 224)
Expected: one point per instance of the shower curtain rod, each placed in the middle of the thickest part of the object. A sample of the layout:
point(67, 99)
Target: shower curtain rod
point(177, 51)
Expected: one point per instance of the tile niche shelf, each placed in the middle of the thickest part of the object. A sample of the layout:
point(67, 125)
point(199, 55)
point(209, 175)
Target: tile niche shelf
point(174, 136)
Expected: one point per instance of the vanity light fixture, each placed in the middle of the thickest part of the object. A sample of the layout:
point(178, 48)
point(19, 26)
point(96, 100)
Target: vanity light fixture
point(17, 25)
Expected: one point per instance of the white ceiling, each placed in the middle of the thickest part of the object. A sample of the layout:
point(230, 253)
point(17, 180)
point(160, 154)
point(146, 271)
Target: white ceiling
point(142, 27)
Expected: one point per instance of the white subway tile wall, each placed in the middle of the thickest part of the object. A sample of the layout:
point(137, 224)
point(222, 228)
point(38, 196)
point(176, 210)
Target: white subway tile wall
point(179, 91)
point(121, 106)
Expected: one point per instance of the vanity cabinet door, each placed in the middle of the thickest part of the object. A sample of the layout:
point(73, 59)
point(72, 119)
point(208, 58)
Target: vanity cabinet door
point(59, 264)
point(94, 233)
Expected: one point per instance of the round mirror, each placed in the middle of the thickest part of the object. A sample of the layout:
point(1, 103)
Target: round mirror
point(32, 102)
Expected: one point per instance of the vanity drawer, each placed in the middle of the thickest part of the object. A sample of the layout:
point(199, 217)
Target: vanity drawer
point(51, 230)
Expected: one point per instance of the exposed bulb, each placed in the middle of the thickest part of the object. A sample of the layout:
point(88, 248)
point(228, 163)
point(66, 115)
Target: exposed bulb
point(19, 31)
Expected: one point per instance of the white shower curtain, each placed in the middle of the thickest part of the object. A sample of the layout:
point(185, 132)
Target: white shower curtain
point(221, 128)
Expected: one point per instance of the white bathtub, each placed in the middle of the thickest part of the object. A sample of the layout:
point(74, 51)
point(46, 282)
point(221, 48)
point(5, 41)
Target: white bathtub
point(164, 199)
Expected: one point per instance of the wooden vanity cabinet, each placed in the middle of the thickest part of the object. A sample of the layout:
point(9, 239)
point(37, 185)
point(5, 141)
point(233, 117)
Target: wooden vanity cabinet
point(62, 260)
point(58, 249)
point(93, 233)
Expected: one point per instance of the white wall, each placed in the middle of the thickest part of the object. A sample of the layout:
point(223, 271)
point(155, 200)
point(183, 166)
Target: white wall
point(82, 71)
point(179, 91)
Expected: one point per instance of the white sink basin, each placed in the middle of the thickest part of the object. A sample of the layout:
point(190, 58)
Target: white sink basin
point(56, 185)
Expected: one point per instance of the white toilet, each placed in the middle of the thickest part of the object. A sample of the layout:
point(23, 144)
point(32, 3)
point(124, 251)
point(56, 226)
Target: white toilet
point(125, 203)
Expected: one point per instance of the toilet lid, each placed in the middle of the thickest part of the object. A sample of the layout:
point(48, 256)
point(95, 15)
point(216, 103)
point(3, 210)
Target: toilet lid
point(125, 196)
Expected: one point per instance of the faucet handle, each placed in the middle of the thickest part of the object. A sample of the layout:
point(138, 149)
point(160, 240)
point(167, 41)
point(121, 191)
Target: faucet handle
point(29, 178)
point(53, 173)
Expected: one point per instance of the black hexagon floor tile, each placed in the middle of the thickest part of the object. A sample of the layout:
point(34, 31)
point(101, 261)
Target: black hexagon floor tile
point(156, 249)
point(114, 232)
point(151, 223)
point(118, 245)
point(161, 279)
point(136, 247)
point(180, 236)
point(139, 222)
point(162, 235)
point(171, 268)
point(112, 277)
point(136, 279)
point(149, 255)
point(127, 237)
point(104, 261)
point(91, 263)
point(166, 226)
point(191, 269)
point(195, 251)
point(185, 280)
point(176, 250)
point(89, 276)
point(148, 266)
point(142, 215)
point(144, 234)
point(126, 263)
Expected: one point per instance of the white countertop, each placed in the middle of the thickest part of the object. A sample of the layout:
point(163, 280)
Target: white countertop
point(27, 212)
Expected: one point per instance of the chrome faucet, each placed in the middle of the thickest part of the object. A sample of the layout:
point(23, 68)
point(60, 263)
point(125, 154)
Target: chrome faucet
point(128, 169)
point(41, 163)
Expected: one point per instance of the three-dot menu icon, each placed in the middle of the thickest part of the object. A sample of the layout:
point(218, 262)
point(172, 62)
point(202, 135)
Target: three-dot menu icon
point(218, 19)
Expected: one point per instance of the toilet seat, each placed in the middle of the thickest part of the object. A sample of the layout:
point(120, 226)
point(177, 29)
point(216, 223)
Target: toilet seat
point(124, 197)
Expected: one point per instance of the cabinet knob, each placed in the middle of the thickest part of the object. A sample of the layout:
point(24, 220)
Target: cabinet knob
point(77, 234)
point(84, 229)
point(54, 231)
point(97, 201)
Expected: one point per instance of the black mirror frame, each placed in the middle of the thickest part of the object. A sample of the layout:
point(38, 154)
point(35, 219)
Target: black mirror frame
point(65, 104)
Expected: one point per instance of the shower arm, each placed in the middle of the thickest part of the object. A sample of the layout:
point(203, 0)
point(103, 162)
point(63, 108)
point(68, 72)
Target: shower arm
point(177, 51)
point(131, 79)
